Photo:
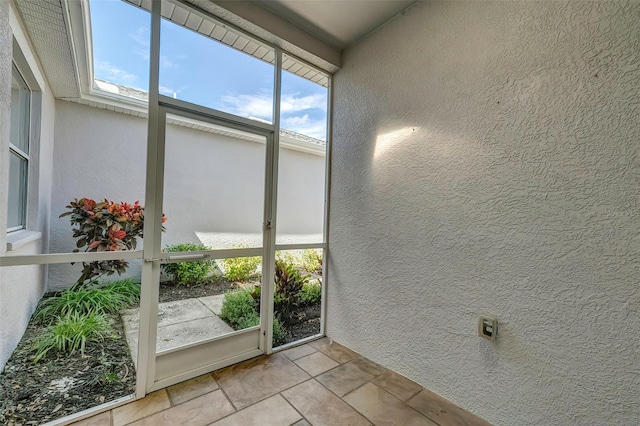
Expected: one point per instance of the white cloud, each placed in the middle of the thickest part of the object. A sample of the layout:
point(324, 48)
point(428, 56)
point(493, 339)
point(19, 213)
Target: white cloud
point(166, 90)
point(293, 103)
point(261, 106)
point(141, 38)
point(166, 63)
point(307, 126)
point(109, 72)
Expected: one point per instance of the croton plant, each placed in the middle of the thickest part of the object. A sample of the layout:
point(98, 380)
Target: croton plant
point(104, 226)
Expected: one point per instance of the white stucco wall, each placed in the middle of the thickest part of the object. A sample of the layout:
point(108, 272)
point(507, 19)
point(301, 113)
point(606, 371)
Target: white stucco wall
point(213, 184)
point(21, 287)
point(485, 160)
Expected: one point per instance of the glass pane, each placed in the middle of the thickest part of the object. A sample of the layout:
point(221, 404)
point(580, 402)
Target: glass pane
point(213, 186)
point(198, 69)
point(120, 35)
point(65, 380)
point(297, 295)
point(17, 191)
point(19, 125)
point(200, 300)
point(302, 160)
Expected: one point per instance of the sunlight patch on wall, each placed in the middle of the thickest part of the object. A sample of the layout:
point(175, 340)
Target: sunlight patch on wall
point(387, 142)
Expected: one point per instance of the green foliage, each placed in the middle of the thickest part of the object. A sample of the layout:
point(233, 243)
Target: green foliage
point(287, 257)
point(239, 309)
point(288, 285)
point(106, 299)
point(312, 261)
point(237, 306)
point(278, 332)
point(311, 293)
point(250, 320)
point(104, 226)
point(189, 273)
point(241, 268)
point(71, 333)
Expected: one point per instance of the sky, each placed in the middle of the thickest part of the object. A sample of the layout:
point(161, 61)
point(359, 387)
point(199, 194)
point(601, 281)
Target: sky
point(200, 70)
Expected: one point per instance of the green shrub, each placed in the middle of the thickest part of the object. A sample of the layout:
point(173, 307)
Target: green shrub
point(106, 299)
point(311, 293)
point(288, 285)
point(104, 226)
point(236, 306)
point(250, 320)
point(312, 261)
point(239, 309)
point(71, 333)
point(192, 272)
point(278, 332)
point(288, 257)
point(241, 268)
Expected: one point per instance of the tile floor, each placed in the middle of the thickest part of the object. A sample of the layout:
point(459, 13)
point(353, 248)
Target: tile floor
point(320, 383)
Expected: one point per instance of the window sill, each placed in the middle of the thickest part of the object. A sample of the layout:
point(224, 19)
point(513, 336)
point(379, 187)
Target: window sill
point(18, 239)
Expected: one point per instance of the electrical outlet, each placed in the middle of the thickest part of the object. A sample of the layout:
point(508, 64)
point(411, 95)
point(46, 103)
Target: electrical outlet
point(488, 327)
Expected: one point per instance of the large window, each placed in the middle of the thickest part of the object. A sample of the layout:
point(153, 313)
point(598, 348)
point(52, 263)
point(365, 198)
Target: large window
point(18, 152)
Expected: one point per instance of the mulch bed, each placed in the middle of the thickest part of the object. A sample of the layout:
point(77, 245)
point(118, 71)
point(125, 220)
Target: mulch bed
point(307, 325)
point(57, 386)
point(60, 385)
point(170, 292)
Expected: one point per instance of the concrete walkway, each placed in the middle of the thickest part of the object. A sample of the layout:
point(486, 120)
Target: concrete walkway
point(179, 323)
point(225, 240)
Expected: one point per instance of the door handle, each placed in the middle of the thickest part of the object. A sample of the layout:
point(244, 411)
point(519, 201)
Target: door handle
point(178, 258)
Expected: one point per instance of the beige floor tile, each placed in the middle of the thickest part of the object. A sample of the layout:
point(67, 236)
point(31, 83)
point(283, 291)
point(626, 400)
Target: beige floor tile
point(192, 388)
point(444, 411)
point(274, 411)
point(334, 350)
point(202, 410)
point(349, 376)
point(152, 403)
point(382, 408)
point(321, 407)
point(302, 422)
point(298, 352)
point(258, 378)
point(316, 363)
point(397, 385)
point(102, 419)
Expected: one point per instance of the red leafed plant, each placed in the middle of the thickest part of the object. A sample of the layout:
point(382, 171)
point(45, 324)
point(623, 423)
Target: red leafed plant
point(104, 226)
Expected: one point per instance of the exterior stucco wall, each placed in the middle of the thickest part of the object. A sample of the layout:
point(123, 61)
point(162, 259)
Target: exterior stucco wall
point(21, 287)
point(485, 160)
point(213, 183)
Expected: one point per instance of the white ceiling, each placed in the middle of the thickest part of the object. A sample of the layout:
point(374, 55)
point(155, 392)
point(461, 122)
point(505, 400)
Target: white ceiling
point(339, 24)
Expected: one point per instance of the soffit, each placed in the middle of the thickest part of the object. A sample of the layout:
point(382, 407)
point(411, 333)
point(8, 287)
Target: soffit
point(226, 34)
point(44, 21)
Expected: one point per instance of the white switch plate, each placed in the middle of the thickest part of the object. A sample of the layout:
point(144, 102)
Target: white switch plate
point(488, 327)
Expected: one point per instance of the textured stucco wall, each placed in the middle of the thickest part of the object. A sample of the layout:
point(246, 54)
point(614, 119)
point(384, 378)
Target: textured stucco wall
point(486, 161)
point(21, 287)
point(213, 183)
point(6, 343)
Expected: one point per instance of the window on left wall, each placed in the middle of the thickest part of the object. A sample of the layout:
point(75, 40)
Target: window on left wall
point(19, 126)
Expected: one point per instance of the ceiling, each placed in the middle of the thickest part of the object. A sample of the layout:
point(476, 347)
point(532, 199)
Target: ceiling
point(339, 24)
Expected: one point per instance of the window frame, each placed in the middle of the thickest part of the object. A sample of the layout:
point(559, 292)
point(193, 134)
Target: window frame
point(25, 121)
